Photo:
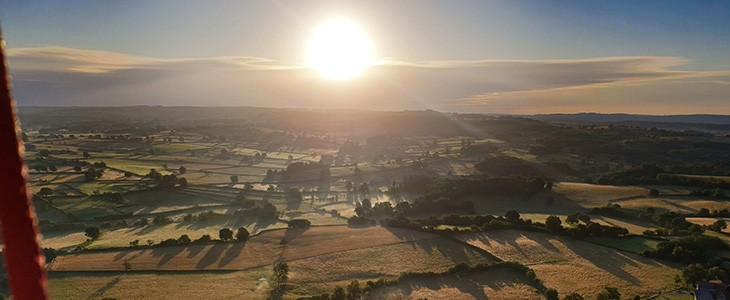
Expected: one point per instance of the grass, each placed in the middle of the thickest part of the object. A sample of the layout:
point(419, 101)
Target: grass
point(570, 265)
point(498, 283)
point(86, 208)
point(250, 284)
point(592, 195)
point(260, 250)
point(323, 273)
point(635, 244)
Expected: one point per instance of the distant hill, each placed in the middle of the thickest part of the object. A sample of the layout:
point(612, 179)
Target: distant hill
point(625, 118)
point(622, 118)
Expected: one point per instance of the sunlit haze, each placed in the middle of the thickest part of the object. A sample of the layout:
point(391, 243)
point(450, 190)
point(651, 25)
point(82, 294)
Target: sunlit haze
point(340, 50)
point(513, 57)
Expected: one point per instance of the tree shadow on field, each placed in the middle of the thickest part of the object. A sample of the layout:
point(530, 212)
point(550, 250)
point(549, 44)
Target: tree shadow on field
point(166, 254)
point(211, 256)
point(100, 292)
point(449, 249)
point(233, 251)
point(609, 260)
point(292, 233)
point(472, 284)
point(194, 250)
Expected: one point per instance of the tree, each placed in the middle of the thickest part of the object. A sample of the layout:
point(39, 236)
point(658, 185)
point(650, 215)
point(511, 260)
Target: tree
point(609, 293)
point(234, 179)
point(339, 294)
point(512, 215)
point(299, 223)
point(353, 290)
point(242, 234)
point(694, 273)
point(573, 296)
point(718, 226)
point(359, 211)
point(551, 294)
point(184, 240)
point(182, 170)
point(127, 266)
point(86, 154)
point(182, 182)
point(92, 232)
point(45, 191)
point(553, 224)
point(225, 234)
point(348, 186)
point(281, 272)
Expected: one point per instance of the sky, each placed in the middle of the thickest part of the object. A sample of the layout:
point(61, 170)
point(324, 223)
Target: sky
point(513, 57)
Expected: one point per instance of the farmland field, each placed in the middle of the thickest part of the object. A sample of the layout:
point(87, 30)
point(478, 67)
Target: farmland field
point(133, 202)
point(558, 261)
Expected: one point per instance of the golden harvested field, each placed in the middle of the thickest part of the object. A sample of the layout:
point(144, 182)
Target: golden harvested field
point(263, 249)
point(708, 221)
point(499, 283)
point(250, 284)
point(61, 240)
point(592, 195)
point(684, 204)
point(322, 273)
point(570, 265)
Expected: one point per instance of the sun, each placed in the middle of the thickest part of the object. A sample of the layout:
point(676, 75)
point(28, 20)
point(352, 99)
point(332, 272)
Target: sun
point(340, 50)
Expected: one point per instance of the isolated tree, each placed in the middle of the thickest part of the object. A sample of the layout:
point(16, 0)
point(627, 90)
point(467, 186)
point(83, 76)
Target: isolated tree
point(553, 224)
point(184, 240)
point(551, 294)
point(86, 154)
point(182, 170)
point(45, 191)
point(77, 168)
point(225, 234)
point(281, 272)
point(127, 265)
point(92, 232)
point(242, 234)
point(512, 215)
point(234, 179)
point(348, 186)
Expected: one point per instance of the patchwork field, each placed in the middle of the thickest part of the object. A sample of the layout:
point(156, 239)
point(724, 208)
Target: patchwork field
point(263, 249)
point(558, 261)
point(498, 283)
point(593, 195)
point(250, 284)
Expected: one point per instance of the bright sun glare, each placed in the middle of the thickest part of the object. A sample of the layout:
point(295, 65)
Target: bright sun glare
point(340, 50)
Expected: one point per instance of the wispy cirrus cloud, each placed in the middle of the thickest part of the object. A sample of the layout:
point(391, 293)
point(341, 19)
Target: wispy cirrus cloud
point(70, 76)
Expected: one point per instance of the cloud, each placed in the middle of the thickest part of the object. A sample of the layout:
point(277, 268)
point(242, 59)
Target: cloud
point(70, 76)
